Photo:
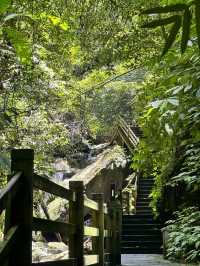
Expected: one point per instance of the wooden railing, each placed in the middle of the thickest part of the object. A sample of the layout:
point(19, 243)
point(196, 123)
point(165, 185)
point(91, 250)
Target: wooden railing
point(123, 131)
point(17, 200)
point(129, 195)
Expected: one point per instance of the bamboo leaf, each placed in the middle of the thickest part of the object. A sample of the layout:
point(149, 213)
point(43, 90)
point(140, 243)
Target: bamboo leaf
point(172, 35)
point(161, 22)
point(165, 9)
point(4, 5)
point(197, 15)
point(186, 29)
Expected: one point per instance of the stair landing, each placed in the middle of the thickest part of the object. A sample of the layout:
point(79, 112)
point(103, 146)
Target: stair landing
point(147, 260)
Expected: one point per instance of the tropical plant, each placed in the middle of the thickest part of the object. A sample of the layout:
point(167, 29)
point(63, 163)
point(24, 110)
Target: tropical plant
point(181, 19)
point(184, 235)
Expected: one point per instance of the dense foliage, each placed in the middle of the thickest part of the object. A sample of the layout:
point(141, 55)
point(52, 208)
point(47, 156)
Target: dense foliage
point(184, 235)
point(69, 68)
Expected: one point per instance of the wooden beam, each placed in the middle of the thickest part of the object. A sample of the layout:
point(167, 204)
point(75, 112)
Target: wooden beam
point(68, 262)
point(10, 190)
point(49, 186)
point(91, 204)
point(91, 260)
point(91, 231)
point(8, 244)
point(52, 226)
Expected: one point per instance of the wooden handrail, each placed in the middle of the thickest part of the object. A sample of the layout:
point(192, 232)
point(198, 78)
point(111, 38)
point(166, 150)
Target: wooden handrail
point(125, 133)
point(16, 249)
point(51, 187)
point(9, 190)
point(49, 226)
point(9, 243)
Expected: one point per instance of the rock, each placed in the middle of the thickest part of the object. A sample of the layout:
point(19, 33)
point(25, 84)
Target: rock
point(62, 169)
point(51, 251)
point(58, 209)
point(111, 166)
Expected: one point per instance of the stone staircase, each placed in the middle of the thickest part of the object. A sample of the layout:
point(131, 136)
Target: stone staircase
point(141, 234)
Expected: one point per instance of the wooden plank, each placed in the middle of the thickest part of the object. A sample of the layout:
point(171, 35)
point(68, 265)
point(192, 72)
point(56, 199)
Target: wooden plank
point(19, 211)
point(91, 204)
point(68, 262)
point(49, 186)
point(8, 244)
point(49, 226)
point(91, 231)
point(91, 260)
point(10, 190)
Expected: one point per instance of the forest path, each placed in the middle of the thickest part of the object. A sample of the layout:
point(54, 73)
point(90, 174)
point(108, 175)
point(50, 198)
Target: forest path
point(147, 260)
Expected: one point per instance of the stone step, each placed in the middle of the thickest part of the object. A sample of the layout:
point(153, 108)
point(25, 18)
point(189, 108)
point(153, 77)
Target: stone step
point(141, 226)
point(142, 236)
point(138, 221)
point(141, 250)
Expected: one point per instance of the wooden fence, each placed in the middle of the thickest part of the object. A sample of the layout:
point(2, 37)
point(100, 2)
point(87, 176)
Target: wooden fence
point(17, 200)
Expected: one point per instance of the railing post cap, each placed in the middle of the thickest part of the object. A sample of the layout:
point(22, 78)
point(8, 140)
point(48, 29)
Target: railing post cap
point(76, 184)
point(22, 154)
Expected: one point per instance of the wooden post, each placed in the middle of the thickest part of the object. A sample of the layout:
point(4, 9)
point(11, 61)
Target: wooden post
point(20, 208)
point(112, 214)
point(118, 217)
point(76, 216)
point(108, 245)
point(112, 219)
point(115, 211)
point(100, 220)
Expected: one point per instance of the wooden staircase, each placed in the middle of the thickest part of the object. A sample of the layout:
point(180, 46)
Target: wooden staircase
point(141, 234)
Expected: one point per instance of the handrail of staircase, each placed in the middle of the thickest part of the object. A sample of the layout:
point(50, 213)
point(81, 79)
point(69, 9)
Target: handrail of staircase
point(124, 131)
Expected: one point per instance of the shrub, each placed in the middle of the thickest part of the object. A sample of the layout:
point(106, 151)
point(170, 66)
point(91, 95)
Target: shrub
point(184, 235)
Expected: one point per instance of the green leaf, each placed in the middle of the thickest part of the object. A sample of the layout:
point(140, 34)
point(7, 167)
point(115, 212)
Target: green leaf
point(64, 26)
point(186, 29)
point(173, 101)
point(172, 36)
point(161, 22)
point(4, 5)
point(156, 104)
point(165, 9)
point(11, 16)
point(21, 44)
point(197, 15)
point(55, 20)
